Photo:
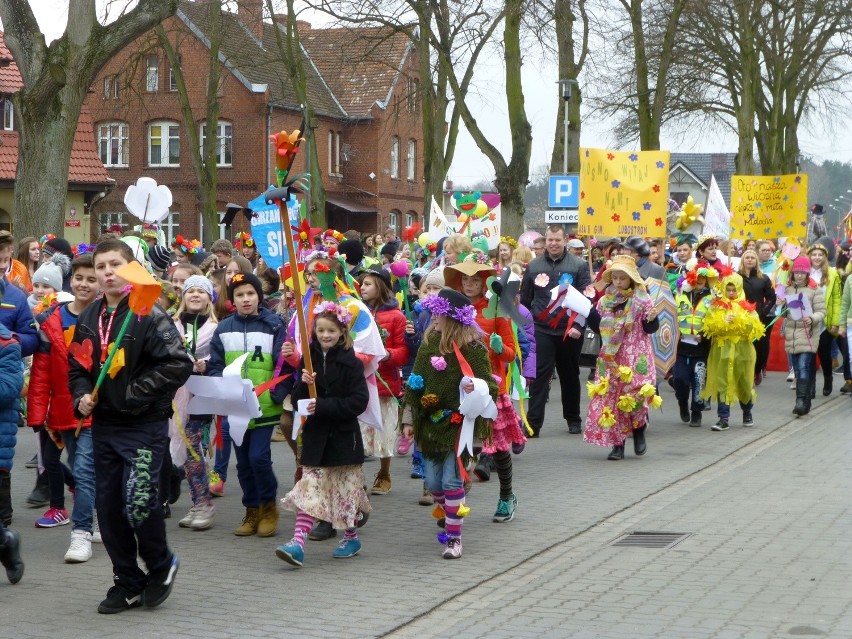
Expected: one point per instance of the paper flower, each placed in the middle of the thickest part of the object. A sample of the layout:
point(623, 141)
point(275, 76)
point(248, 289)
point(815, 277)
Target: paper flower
point(456, 419)
point(286, 146)
point(656, 401)
point(117, 363)
point(598, 388)
point(439, 363)
point(82, 353)
point(541, 280)
point(626, 403)
point(607, 419)
point(438, 512)
point(415, 382)
point(399, 268)
point(463, 511)
point(430, 400)
point(443, 538)
point(647, 390)
point(625, 374)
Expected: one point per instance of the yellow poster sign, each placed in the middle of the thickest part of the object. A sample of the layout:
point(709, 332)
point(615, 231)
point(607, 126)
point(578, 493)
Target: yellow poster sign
point(623, 193)
point(769, 206)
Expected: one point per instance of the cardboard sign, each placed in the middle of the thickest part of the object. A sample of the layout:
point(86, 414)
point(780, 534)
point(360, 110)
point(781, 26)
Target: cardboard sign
point(769, 206)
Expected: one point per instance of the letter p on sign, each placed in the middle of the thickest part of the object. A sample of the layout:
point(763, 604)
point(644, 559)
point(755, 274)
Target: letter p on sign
point(564, 191)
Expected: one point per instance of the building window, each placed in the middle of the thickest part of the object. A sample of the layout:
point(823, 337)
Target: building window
point(8, 114)
point(173, 76)
point(394, 158)
point(113, 143)
point(110, 219)
point(163, 144)
point(334, 153)
point(411, 160)
point(171, 226)
point(225, 142)
point(152, 74)
point(412, 95)
point(221, 227)
point(393, 220)
point(410, 218)
point(110, 87)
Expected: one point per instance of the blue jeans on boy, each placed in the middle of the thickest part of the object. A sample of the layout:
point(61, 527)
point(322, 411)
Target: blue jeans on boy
point(724, 410)
point(689, 375)
point(802, 365)
point(442, 476)
point(81, 457)
point(254, 467)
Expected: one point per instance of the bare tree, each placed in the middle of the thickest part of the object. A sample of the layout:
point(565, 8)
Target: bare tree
point(56, 79)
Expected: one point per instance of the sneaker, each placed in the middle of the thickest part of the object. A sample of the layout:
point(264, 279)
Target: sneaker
point(453, 549)
point(695, 419)
point(52, 518)
point(347, 548)
point(791, 376)
point(160, 583)
point(722, 424)
point(505, 510)
point(32, 463)
point(847, 388)
point(118, 600)
point(203, 517)
point(748, 420)
point(321, 531)
point(426, 499)
point(80, 549)
point(417, 470)
point(292, 553)
point(403, 445)
point(382, 485)
point(517, 449)
point(186, 521)
point(217, 484)
point(575, 427)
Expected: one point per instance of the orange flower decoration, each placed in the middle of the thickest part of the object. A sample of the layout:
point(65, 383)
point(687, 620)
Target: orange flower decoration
point(287, 145)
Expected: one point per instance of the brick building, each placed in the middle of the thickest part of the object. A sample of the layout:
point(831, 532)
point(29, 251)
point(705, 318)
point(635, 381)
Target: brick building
point(362, 83)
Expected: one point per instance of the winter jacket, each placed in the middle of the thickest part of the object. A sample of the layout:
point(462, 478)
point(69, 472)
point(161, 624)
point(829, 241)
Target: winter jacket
point(262, 336)
point(832, 299)
point(846, 304)
point(391, 322)
point(49, 400)
point(542, 274)
point(502, 327)
point(15, 314)
point(797, 338)
point(529, 362)
point(19, 276)
point(155, 365)
point(197, 340)
point(11, 383)
point(758, 290)
point(332, 436)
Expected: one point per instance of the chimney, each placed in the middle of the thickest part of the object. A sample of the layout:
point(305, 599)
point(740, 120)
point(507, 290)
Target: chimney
point(250, 13)
point(303, 25)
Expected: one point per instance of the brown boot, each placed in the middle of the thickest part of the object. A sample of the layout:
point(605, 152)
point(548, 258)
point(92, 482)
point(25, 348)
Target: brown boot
point(267, 524)
point(249, 525)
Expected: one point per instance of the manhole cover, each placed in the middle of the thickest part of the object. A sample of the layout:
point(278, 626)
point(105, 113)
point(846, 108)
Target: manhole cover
point(660, 540)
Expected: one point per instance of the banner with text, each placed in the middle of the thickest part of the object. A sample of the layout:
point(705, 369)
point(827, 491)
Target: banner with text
point(266, 230)
point(769, 206)
point(442, 225)
point(623, 193)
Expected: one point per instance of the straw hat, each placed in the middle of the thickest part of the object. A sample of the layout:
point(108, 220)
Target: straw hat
point(625, 264)
point(453, 274)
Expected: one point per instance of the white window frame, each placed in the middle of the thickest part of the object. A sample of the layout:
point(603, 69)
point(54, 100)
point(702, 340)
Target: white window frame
point(114, 144)
point(152, 74)
point(334, 154)
point(394, 158)
point(8, 108)
point(169, 132)
point(171, 226)
point(410, 219)
point(411, 160)
point(393, 220)
point(224, 138)
point(117, 217)
point(107, 87)
point(221, 226)
point(173, 76)
point(331, 152)
point(412, 94)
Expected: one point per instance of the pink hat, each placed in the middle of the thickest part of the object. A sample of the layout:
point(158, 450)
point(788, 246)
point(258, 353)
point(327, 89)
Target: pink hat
point(802, 265)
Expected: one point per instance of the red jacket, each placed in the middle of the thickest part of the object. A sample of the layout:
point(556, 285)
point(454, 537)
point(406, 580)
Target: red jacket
point(391, 322)
point(49, 400)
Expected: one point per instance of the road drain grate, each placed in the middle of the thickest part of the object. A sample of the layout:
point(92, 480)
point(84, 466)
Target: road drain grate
point(659, 540)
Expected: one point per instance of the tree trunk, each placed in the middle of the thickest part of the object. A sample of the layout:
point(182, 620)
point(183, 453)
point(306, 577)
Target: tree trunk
point(750, 71)
point(511, 184)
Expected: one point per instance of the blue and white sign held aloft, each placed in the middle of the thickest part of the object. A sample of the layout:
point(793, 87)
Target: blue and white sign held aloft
point(563, 191)
point(267, 232)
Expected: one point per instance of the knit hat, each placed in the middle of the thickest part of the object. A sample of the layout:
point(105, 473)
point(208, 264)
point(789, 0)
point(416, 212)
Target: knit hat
point(331, 234)
point(353, 250)
point(58, 245)
point(802, 265)
point(244, 278)
point(160, 257)
point(50, 273)
point(390, 249)
point(435, 277)
point(198, 281)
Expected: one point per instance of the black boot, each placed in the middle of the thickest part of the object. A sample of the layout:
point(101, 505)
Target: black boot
point(695, 420)
point(803, 390)
point(5, 498)
point(809, 395)
point(639, 445)
point(827, 387)
point(684, 411)
point(616, 453)
point(10, 554)
point(484, 467)
point(40, 497)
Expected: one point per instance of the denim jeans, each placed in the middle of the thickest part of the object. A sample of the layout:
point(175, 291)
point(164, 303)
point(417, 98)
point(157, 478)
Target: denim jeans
point(442, 476)
point(81, 457)
point(802, 365)
point(724, 410)
point(689, 376)
point(254, 467)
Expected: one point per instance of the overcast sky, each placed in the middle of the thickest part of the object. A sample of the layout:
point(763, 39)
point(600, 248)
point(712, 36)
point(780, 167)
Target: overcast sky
point(541, 94)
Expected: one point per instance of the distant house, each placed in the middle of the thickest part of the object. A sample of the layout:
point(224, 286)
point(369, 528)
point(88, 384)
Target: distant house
point(362, 83)
point(690, 174)
point(87, 179)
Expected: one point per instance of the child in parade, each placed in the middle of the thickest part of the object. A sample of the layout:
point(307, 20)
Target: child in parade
point(625, 377)
point(260, 333)
point(469, 278)
point(196, 321)
point(129, 429)
point(332, 484)
point(377, 294)
point(828, 280)
point(450, 345)
point(732, 324)
point(801, 334)
point(50, 407)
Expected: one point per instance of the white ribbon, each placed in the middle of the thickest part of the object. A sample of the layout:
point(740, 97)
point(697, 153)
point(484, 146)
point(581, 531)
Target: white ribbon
point(475, 404)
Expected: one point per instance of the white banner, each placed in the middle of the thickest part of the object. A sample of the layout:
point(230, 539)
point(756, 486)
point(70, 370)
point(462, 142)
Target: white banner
point(717, 217)
point(441, 225)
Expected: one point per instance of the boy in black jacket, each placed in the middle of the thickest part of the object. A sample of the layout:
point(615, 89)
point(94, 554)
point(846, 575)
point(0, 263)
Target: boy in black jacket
point(129, 429)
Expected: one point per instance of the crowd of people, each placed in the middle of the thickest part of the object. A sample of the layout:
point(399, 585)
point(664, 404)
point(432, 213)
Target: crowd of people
point(445, 350)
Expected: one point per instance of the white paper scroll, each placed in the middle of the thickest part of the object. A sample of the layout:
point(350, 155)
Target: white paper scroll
point(473, 405)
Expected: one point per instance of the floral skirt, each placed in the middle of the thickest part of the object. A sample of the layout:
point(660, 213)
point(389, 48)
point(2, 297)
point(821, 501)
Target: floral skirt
point(334, 494)
point(379, 443)
point(507, 428)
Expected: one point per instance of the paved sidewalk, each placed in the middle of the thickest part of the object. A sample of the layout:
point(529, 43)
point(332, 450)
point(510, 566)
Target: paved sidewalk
point(567, 491)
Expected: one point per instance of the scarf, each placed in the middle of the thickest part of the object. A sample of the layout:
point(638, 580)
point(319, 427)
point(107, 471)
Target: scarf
point(618, 313)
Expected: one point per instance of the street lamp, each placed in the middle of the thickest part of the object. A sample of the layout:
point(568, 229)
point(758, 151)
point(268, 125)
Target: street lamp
point(565, 86)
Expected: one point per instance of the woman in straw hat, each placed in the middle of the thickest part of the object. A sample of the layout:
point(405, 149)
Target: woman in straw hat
point(625, 378)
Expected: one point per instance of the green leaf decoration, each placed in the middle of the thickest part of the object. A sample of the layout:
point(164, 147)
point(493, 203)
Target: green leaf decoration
point(642, 365)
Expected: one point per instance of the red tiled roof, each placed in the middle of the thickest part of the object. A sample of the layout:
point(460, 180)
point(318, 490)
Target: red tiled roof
point(85, 167)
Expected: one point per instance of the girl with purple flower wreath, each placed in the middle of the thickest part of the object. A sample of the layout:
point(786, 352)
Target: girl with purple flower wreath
point(452, 350)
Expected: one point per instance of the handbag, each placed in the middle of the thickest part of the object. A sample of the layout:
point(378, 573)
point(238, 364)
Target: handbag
point(590, 349)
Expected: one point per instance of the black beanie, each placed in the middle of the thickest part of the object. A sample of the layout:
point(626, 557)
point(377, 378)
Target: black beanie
point(353, 250)
point(58, 245)
point(391, 248)
point(244, 278)
point(160, 257)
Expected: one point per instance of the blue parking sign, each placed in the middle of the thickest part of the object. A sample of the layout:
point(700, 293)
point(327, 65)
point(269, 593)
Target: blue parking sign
point(564, 191)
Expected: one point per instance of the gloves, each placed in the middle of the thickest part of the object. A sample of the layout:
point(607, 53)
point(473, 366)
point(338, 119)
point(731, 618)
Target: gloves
point(496, 343)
